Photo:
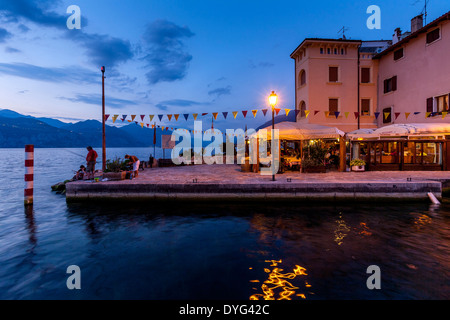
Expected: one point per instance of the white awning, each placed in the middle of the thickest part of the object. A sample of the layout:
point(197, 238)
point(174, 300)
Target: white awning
point(304, 131)
point(407, 129)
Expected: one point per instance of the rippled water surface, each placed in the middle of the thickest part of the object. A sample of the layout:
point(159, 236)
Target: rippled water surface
point(213, 251)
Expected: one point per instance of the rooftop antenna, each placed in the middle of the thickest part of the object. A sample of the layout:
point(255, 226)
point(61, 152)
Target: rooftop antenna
point(424, 10)
point(343, 29)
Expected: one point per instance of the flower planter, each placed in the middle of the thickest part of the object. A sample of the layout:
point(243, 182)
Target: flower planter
point(115, 175)
point(358, 168)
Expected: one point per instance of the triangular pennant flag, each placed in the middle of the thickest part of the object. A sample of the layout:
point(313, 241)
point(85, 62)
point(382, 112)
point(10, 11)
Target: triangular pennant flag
point(160, 116)
point(169, 116)
point(235, 114)
point(376, 114)
point(151, 117)
point(416, 113)
point(215, 115)
point(316, 112)
point(106, 117)
point(327, 113)
point(287, 111)
point(167, 128)
point(176, 116)
point(244, 113)
point(186, 116)
point(277, 111)
point(124, 117)
point(386, 115)
point(135, 122)
point(264, 111)
point(195, 115)
point(130, 121)
point(162, 127)
point(142, 124)
point(142, 117)
point(225, 114)
point(336, 114)
point(407, 115)
point(444, 114)
point(254, 113)
point(356, 115)
point(427, 114)
point(204, 114)
point(346, 114)
point(396, 115)
point(148, 125)
point(114, 118)
point(306, 112)
point(132, 117)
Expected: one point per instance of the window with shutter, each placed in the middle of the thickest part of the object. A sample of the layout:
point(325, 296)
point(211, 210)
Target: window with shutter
point(333, 106)
point(394, 83)
point(433, 35)
point(365, 75)
point(333, 74)
point(398, 54)
point(365, 107)
point(430, 105)
point(390, 84)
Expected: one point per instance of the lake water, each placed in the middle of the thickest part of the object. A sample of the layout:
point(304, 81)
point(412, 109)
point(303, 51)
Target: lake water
point(223, 251)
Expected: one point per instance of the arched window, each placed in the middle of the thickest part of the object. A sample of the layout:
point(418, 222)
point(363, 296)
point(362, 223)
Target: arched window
point(302, 77)
point(302, 108)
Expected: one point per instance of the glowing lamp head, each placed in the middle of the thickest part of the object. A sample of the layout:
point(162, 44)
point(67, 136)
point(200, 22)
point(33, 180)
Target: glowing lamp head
point(103, 69)
point(273, 99)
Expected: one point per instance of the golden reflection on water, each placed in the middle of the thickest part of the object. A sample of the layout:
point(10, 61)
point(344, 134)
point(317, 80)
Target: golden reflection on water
point(280, 283)
point(421, 221)
point(341, 230)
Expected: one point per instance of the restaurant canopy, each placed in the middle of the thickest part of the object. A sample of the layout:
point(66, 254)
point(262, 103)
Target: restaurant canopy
point(402, 130)
point(304, 131)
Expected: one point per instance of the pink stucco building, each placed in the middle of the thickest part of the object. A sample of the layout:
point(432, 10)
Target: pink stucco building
point(400, 87)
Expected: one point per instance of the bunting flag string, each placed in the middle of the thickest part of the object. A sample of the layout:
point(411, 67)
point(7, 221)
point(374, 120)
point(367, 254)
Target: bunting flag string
point(264, 111)
point(235, 114)
point(244, 113)
point(151, 117)
point(132, 117)
point(215, 115)
point(306, 113)
point(225, 114)
point(287, 111)
point(254, 113)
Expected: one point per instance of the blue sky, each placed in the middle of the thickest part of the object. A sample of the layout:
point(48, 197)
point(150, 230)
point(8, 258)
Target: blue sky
point(171, 56)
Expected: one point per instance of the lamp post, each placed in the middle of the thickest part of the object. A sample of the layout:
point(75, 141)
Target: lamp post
point(103, 122)
point(273, 103)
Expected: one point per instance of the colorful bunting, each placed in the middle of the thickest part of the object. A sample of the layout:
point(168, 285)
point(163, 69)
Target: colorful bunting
point(264, 111)
point(336, 114)
point(106, 117)
point(254, 113)
point(160, 116)
point(427, 114)
point(132, 117)
point(151, 117)
point(204, 114)
point(142, 124)
point(287, 111)
point(142, 117)
point(407, 115)
point(195, 115)
point(306, 112)
point(244, 113)
point(346, 114)
point(114, 118)
point(397, 114)
point(225, 114)
point(176, 116)
point(124, 117)
point(277, 111)
point(377, 114)
point(327, 113)
point(386, 115)
point(169, 116)
point(356, 115)
point(316, 112)
point(215, 115)
point(186, 116)
point(235, 114)
point(444, 114)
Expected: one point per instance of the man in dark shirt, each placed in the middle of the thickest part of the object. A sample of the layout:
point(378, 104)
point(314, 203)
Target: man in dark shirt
point(91, 160)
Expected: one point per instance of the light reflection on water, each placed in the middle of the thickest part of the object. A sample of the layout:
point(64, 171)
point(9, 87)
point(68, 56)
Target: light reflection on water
point(225, 251)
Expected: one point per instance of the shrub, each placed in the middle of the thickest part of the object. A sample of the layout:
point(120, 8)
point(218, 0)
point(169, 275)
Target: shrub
point(357, 163)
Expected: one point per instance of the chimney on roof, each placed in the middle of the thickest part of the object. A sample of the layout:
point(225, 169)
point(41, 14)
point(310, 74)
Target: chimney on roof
point(416, 23)
point(397, 36)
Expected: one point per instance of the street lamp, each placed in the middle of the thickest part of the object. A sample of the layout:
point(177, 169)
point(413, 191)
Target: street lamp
point(273, 102)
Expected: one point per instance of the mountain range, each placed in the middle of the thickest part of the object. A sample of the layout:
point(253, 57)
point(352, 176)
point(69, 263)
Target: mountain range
point(17, 130)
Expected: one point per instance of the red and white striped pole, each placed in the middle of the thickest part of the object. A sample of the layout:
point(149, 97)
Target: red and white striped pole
point(29, 174)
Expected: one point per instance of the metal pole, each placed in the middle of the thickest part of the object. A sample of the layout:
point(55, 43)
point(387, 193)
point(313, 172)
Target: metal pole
point(272, 144)
point(103, 122)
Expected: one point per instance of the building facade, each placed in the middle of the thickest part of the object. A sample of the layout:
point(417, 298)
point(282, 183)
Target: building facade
point(367, 85)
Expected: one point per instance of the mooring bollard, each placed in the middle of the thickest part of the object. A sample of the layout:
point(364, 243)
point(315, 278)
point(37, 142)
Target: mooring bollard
point(29, 174)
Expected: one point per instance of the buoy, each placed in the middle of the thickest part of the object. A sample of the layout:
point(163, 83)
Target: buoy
point(433, 198)
point(29, 174)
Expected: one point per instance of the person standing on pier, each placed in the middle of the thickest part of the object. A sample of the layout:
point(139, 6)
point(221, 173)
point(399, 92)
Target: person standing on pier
point(135, 162)
point(91, 160)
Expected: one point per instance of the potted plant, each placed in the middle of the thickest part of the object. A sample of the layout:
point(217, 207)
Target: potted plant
point(115, 169)
point(357, 164)
point(314, 161)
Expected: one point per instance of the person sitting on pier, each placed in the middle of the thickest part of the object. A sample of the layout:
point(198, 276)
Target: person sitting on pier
point(80, 173)
point(135, 162)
